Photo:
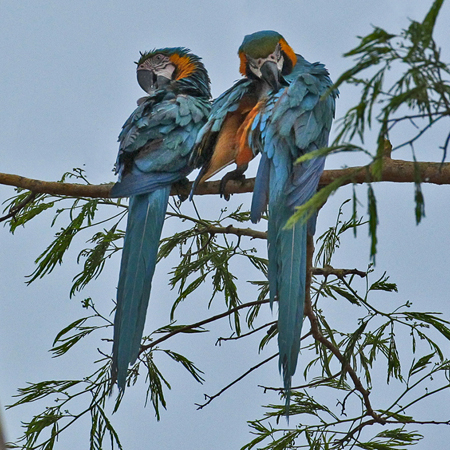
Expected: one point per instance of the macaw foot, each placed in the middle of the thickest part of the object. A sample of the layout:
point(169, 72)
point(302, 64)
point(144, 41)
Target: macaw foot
point(181, 188)
point(237, 174)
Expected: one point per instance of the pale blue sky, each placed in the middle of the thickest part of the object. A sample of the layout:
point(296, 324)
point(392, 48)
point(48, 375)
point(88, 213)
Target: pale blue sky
point(67, 85)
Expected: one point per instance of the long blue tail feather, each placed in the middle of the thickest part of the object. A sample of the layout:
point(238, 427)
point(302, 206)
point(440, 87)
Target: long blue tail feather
point(140, 250)
point(287, 280)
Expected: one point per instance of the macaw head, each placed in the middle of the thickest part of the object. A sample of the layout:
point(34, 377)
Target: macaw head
point(172, 68)
point(267, 56)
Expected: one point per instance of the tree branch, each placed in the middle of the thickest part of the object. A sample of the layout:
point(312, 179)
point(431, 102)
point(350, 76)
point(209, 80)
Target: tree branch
point(210, 398)
point(14, 210)
point(254, 234)
point(201, 323)
point(318, 336)
point(234, 337)
point(339, 273)
point(393, 170)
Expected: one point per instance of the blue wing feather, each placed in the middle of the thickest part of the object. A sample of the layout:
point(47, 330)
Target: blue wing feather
point(145, 222)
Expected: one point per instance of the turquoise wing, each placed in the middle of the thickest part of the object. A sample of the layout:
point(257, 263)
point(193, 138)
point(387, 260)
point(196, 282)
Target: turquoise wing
point(156, 142)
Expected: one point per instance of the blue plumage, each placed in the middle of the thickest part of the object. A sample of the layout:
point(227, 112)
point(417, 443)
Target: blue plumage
point(295, 120)
point(276, 110)
point(155, 146)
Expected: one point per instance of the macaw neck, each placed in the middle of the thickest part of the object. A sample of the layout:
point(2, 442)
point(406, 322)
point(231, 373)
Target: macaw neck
point(263, 89)
point(157, 96)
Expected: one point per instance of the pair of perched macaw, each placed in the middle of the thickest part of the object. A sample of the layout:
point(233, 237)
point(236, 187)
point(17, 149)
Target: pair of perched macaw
point(277, 109)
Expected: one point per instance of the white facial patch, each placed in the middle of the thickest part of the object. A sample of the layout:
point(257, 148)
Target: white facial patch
point(256, 64)
point(160, 65)
point(165, 71)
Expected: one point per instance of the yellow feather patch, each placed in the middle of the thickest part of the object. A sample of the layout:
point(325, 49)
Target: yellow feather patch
point(245, 153)
point(288, 51)
point(184, 66)
point(243, 65)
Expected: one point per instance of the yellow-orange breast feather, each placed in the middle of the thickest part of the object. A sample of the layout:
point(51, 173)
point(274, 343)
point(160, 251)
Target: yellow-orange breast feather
point(227, 148)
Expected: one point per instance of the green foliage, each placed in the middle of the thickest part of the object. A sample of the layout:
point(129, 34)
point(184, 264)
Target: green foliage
point(413, 104)
point(371, 344)
point(43, 430)
point(79, 214)
point(376, 383)
point(207, 254)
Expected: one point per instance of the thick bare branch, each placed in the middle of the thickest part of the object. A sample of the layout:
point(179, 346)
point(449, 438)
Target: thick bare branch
point(56, 187)
point(393, 170)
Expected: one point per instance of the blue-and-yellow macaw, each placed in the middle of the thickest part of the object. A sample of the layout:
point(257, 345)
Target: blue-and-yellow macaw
point(278, 109)
point(154, 150)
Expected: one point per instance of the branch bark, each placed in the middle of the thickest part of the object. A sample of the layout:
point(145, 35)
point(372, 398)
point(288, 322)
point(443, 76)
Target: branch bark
point(393, 170)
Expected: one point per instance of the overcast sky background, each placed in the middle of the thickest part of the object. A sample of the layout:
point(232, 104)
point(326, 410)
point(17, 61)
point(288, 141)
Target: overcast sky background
point(68, 84)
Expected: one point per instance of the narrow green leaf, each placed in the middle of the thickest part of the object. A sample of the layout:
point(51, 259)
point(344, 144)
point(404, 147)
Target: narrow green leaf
point(373, 220)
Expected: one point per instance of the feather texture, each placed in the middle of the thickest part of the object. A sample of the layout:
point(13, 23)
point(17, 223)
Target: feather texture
point(154, 151)
point(218, 144)
point(283, 115)
point(140, 250)
point(295, 120)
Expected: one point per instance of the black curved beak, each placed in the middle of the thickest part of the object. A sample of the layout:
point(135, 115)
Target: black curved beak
point(271, 75)
point(147, 80)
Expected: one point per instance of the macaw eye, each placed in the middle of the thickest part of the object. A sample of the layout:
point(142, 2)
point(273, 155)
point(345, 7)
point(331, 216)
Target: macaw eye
point(158, 58)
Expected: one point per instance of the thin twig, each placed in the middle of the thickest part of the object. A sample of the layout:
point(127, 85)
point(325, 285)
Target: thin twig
point(302, 386)
point(212, 397)
point(357, 429)
point(235, 338)
point(201, 323)
point(16, 208)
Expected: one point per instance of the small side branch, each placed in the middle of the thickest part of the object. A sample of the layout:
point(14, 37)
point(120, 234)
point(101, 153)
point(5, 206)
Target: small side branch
point(235, 338)
point(254, 234)
point(201, 323)
point(339, 273)
point(302, 386)
point(16, 209)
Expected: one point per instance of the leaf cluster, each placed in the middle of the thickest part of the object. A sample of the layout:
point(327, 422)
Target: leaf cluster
point(371, 351)
point(413, 103)
point(357, 364)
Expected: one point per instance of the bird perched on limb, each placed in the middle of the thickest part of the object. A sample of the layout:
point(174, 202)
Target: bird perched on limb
point(155, 145)
point(282, 108)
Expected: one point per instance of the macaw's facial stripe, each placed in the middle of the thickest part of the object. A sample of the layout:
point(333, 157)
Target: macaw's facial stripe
point(184, 66)
point(287, 49)
point(243, 65)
